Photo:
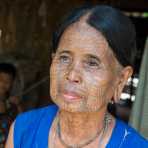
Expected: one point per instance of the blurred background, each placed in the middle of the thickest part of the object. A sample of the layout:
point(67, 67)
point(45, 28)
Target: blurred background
point(26, 27)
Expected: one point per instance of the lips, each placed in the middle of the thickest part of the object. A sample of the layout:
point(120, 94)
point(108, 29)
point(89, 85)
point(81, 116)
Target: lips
point(71, 96)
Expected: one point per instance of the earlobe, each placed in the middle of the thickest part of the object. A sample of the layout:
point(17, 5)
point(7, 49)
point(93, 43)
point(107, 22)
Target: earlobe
point(116, 96)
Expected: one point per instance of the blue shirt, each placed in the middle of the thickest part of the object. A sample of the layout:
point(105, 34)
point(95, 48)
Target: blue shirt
point(31, 130)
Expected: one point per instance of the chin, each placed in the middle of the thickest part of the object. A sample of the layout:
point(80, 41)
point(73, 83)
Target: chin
point(78, 106)
point(69, 106)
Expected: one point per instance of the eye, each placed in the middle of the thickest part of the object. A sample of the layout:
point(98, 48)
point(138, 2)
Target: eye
point(92, 63)
point(64, 59)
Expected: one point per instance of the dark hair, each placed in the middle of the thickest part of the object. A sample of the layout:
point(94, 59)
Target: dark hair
point(112, 23)
point(125, 103)
point(8, 68)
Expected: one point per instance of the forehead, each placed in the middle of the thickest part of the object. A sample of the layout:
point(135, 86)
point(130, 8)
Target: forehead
point(82, 37)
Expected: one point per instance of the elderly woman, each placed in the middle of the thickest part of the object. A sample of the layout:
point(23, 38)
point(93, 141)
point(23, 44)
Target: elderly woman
point(92, 63)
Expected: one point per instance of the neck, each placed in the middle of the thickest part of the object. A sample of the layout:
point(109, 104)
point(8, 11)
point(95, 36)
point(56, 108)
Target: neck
point(82, 123)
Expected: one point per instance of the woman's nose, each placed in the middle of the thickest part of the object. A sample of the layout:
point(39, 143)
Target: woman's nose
point(74, 74)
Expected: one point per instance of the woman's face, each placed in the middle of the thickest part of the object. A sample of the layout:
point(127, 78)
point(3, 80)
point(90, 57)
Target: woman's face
point(84, 70)
point(5, 84)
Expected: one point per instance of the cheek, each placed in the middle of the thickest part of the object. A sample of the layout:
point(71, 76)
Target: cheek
point(53, 80)
point(56, 78)
point(99, 87)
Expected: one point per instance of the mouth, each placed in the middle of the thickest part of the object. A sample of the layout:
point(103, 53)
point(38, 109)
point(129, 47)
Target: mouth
point(71, 96)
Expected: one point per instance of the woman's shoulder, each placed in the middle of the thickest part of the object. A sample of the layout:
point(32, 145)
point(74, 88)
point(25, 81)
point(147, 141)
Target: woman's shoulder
point(129, 136)
point(36, 114)
point(31, 122)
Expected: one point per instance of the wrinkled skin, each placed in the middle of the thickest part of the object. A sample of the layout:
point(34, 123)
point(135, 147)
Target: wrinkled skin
point(84, 67)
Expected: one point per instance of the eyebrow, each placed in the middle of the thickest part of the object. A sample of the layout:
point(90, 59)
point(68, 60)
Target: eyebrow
point(64, 51)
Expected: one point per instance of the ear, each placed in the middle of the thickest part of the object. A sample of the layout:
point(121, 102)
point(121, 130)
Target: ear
point(122, 79)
